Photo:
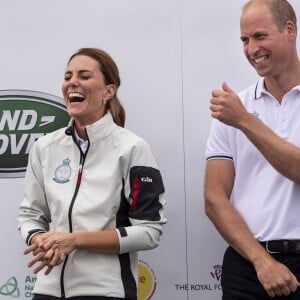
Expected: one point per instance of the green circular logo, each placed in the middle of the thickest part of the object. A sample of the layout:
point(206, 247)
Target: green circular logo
point(24, 117)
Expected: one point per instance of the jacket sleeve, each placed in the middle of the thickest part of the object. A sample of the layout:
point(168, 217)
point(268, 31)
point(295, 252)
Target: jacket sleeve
point(34, 215)
point(143, 203)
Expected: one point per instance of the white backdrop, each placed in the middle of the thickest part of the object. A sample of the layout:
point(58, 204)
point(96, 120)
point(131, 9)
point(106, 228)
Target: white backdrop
point(171, 54)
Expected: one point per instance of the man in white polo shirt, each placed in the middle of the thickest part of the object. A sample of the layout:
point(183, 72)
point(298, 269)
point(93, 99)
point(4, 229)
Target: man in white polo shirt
point(252, 180)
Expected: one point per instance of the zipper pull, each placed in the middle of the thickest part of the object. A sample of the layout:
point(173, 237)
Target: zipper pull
point(79, 175)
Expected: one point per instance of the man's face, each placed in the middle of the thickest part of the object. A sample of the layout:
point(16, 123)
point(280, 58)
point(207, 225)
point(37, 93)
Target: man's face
point(266, 48)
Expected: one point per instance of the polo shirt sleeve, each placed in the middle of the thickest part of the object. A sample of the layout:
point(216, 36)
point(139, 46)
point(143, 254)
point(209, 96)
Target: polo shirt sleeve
point(218, 143)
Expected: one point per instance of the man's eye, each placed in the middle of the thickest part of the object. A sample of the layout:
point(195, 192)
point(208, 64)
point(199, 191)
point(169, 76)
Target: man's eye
point(260, 36)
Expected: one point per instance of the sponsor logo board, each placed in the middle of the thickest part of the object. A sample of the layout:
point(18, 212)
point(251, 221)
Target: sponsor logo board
point(24, 117)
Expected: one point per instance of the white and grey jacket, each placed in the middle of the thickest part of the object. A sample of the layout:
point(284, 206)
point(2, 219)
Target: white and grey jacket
point(116, 184)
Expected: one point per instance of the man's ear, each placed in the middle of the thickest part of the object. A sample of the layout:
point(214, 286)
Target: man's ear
point(291, 29)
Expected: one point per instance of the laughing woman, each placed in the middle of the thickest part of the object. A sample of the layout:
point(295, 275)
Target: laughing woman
point(93, 192)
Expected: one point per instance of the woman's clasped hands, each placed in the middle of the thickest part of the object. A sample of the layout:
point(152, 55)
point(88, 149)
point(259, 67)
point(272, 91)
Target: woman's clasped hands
point(49, 249)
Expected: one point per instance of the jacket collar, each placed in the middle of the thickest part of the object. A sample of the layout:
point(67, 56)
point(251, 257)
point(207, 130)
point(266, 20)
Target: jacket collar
point(96, 131)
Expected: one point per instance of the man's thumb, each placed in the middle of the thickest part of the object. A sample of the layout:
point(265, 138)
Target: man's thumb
point(226, 88)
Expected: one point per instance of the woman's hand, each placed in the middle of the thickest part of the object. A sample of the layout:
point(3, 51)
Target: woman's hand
point(49, 249)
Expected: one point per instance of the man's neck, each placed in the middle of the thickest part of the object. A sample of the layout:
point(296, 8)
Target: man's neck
point(278, 86)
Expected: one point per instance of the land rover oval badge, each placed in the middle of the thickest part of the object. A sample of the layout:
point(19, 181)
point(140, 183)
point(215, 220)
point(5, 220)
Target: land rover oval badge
point(24, 117)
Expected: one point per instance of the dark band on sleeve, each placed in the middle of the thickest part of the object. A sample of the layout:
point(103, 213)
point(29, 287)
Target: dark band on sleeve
point(122, 231)
point(219, 157)
point(30, 233)
point(146, 187)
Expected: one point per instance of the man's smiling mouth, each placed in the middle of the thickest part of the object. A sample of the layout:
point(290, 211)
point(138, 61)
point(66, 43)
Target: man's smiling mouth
point(260, 59)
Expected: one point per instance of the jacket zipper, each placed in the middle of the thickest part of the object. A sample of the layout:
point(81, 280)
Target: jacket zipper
point(78, 182)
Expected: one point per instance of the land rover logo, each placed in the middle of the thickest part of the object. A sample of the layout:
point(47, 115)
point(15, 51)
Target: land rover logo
point(24, 117)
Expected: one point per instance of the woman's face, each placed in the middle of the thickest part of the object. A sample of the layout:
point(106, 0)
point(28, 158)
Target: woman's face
point(84, 90)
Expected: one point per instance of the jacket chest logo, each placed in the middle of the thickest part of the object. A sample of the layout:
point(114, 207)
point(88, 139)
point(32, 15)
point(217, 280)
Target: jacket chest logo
point(63, 172)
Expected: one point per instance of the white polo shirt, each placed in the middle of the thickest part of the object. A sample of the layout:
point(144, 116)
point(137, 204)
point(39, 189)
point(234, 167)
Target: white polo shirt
point(268, 202)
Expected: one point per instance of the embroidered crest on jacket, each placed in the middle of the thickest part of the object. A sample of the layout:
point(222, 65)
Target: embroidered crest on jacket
point(63, 172)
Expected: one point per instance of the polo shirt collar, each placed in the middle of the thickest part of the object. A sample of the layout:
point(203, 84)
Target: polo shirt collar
point(260, 89)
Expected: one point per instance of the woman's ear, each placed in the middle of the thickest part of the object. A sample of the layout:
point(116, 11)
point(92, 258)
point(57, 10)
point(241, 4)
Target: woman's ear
point(109, 92)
